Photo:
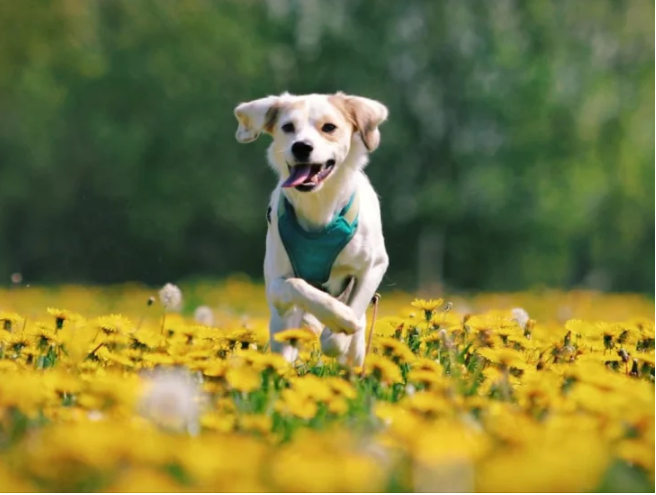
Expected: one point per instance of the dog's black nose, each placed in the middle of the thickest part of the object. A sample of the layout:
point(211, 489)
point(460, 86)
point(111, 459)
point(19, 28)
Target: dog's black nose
point(302, 150)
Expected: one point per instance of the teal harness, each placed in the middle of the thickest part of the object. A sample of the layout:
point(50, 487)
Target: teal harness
point(313, 254)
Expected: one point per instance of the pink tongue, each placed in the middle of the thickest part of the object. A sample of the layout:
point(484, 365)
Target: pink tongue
point(297, 175)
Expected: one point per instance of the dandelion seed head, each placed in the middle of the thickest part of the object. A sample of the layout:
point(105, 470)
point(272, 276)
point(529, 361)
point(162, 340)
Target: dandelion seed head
point(520, 316)
point(204, 315)
point(171, 297)
point(173, 401)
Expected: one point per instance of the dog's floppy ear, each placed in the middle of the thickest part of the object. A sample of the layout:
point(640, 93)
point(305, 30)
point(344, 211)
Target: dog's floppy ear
point(366, 115)
point(256, 116)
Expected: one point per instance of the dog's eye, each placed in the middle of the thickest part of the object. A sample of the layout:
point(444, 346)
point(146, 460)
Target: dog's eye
point(328, 127)
point(289, 127)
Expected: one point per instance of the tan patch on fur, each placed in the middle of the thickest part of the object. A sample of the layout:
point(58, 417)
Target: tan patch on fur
point(271, 118)
point(297, 105)
point(277, 111)
point(244, 119)
point(339, 102)
point(343, 126)
point(358, 115)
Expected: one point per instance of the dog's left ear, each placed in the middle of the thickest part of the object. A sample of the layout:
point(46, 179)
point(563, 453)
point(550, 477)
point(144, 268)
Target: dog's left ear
point(366, 115)
point(255, 117)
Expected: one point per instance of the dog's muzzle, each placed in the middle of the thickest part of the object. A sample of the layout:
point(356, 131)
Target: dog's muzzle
point(307, 176)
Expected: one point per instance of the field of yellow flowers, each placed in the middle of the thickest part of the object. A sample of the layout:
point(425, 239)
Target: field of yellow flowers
point(125, 389)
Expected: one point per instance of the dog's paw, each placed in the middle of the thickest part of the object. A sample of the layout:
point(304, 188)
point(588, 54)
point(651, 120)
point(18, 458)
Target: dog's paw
point(346, 322)
point(334, 344)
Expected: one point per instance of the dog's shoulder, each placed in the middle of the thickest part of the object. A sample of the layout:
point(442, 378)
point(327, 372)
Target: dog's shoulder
point(272, 207)
point(369, 202)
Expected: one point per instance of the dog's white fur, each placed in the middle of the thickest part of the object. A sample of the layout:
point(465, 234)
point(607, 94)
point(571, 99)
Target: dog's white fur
point(293, 302)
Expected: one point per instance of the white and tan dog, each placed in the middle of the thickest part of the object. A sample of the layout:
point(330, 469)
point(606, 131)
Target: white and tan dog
point(325, 252)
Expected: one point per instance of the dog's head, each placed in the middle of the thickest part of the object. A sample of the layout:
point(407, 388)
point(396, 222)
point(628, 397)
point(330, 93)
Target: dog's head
point(313, 135)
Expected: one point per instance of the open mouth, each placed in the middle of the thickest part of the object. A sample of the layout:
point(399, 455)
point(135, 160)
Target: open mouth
point(306, 176)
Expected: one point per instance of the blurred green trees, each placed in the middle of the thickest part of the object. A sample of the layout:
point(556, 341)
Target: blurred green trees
point(519, 150)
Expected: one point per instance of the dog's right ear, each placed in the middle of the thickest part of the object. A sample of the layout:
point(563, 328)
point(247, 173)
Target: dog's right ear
point(256, 116)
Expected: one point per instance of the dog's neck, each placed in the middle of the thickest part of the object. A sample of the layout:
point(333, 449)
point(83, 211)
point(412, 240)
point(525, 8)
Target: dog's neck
point(315, 210)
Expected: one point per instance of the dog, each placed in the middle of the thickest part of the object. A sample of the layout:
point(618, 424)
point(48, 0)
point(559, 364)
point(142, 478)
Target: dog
point(325, 251)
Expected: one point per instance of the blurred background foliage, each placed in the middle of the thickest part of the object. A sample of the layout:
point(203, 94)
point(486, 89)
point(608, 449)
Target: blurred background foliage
point(519, 150)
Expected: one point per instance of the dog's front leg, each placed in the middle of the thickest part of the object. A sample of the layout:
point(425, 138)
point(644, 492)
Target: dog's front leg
point(279, 322)
point(283, 293)
point(352, 348)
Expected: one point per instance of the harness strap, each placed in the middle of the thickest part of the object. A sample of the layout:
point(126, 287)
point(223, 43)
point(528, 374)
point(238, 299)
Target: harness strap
point(313, 253)
point(350, 212)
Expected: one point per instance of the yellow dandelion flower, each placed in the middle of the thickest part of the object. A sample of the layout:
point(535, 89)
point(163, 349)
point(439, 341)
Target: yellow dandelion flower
point(427, 404)
point(273, 362)
point(505, 357)
point(246, 357)
point(113, 324)
point(146, 339)
point(340, 387)
point(62, 383)
point(575, 464)
point(429, 379)
point(497, 379)
point(295, 404)
point(382, 369)
point(637, 452)
point(204, 365)
point(645, 357)
point(117, 358)
point(313, 387)
point(44, 335)
point(225, 405)
point(427, 364)
point(200, 353)
point(244, 379)
point(259, 423)
point(17, 342)
point(431, 337)
point(427, 305)
point(389, 413)
point(295, 337)
point(158, 359)
point(7, 366)
point(646, 328)
point(13, 482)
point(388, 326)
point(242, 337)
point(221, 422)
point(338, 405)
point(10, 321)
point(497, 327)
point(394, 348)
point(88, 366)
point(578, 327)
point(145, 480)
point(192, 333)
point(113, 339)
point(25, 392)
point(63, 315)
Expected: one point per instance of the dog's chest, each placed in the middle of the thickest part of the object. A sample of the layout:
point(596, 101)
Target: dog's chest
point(323, 258)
